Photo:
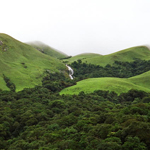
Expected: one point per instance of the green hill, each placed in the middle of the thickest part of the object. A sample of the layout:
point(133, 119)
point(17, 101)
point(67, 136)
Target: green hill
point(82, 57)
point(47, 49)
point(119, 85)
point(130, 54)
point(23, 64)
point(142, 79)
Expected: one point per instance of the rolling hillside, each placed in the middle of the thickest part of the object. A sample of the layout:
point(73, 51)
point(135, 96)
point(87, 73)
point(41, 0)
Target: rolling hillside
point(82, 57)
point(23, 64)
point(47, 49)
point(119, 85)
point(142, 79)
point(130, 54)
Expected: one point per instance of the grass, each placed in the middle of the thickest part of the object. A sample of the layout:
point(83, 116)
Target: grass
point(47, 49)
point(23, 64)
point(142, 80)
point(130, 54)
point(119, 85)
point(2, 84)
point(82, 57)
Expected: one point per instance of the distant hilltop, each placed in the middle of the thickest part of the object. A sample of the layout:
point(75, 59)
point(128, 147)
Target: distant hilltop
point(47, 49)
point(130, 54)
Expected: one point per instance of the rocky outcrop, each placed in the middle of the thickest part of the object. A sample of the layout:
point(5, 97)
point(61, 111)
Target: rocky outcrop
point(1, 43)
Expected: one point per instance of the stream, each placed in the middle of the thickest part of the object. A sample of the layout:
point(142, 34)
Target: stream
point(70, 71)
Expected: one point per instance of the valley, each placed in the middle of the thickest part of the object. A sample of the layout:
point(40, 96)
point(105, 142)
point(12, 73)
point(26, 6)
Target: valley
point(52, 101)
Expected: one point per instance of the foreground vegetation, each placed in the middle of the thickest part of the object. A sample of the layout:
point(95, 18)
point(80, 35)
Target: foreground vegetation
point(40, 118)
point(37, 118)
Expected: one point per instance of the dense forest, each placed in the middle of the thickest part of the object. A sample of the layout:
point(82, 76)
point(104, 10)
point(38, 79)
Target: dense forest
point(118, 69)
point(41, 119)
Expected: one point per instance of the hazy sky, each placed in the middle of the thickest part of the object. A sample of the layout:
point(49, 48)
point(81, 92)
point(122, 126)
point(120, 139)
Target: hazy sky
point(78, 26)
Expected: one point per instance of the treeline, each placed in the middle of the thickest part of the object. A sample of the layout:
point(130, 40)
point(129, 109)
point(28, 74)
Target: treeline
point(55, 82)
point(118, 69)
point(39, 118)
point(9, 84)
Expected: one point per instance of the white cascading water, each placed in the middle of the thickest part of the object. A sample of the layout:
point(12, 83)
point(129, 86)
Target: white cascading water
point(70, 71)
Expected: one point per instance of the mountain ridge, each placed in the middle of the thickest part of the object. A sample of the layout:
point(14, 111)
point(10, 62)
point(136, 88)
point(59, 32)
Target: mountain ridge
point(130, 54)
point(46, 49)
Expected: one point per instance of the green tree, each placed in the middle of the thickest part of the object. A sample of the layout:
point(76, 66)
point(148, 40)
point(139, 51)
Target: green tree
point(133, 143)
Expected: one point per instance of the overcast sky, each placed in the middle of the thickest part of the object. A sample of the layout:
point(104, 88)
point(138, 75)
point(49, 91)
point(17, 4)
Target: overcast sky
point(78, 26)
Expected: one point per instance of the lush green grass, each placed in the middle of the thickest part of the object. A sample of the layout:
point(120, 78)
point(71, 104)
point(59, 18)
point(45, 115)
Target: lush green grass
point(2, 84)
point(23, 64)
point(130, 54)
point(47, 49)
point(82, 57)
point(142, 80)
point(119, 85)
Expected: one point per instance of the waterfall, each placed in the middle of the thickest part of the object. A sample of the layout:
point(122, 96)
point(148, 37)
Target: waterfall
point(70, 71)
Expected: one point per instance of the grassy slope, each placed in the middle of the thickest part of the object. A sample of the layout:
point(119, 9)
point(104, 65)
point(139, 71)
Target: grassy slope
point(129, 54)
point(17, 53)
point(2, 84)
point(82, 57)
point(142, 80)
point(119, 85)
point(47, 49)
